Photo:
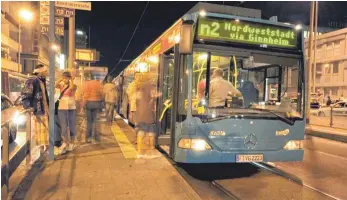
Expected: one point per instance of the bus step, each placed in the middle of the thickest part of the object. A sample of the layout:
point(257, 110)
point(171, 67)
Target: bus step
point(164, 139)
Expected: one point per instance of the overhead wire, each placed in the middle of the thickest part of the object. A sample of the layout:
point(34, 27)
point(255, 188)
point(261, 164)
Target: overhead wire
point(132, 36)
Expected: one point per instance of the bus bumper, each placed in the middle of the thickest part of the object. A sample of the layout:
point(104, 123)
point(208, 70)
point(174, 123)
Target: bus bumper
point(213, 156)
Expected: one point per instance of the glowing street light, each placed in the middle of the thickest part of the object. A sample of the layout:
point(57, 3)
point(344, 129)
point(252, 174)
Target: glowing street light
point(79, 32)
point(298, 27)
point(26, 15)
point(55, 47)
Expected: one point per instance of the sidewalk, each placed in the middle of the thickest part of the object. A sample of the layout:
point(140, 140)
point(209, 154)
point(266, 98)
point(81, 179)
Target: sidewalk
point(327, 132)
point(108, 170)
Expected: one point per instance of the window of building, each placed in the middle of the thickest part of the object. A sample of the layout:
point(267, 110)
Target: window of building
point(337, 44)
point(319, 47)
point(329, 45)
point(335, 67)
point(326, 69)
point(319, 69)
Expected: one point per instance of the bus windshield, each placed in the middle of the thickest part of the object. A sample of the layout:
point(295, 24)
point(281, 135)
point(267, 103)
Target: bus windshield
point(247, 86)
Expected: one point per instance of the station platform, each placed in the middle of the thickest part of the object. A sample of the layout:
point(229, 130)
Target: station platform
point(108, 170)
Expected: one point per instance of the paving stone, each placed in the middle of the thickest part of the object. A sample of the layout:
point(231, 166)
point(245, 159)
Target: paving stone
point(100, 171)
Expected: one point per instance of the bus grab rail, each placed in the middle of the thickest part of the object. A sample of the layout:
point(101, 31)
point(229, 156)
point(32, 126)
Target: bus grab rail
point(8, 165)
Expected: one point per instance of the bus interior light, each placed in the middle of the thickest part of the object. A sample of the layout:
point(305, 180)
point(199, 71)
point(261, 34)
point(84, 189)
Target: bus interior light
point(202, 56)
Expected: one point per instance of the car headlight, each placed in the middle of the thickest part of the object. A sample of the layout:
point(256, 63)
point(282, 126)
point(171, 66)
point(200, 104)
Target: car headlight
point(294, 145)
point(195, 144)
point(18, 118)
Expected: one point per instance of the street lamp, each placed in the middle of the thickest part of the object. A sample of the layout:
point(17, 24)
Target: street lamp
point(79, 32)
point(26, 16)
point(55, 47)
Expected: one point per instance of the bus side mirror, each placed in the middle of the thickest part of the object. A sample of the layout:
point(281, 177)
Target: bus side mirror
point(186, 37)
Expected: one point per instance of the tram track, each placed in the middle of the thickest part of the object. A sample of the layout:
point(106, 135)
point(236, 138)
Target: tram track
point(278, 172)
point(237, 181)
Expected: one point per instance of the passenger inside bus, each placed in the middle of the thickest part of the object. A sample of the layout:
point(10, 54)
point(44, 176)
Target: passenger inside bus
point(250, 93)
point(221, 90)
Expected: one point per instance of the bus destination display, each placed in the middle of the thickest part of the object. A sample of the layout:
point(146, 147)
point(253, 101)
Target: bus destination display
point(246, 32)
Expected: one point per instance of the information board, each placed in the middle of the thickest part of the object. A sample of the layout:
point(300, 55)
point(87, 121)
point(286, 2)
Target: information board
point(261, 34)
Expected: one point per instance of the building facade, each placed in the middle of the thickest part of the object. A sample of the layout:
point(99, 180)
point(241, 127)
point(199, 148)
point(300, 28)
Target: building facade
point(329, 74)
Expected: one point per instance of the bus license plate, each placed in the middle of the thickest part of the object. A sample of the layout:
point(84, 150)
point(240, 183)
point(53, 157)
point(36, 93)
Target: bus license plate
point(250, 158)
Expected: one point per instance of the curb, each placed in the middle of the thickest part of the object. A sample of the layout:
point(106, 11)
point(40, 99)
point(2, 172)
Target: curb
point(324, 134)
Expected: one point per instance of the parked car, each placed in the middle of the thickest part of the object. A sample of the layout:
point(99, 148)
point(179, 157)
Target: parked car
point(339, 108)
point(11, 113)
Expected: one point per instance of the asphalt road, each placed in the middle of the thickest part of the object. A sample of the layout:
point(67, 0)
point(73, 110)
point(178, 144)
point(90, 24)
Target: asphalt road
point(243, 181)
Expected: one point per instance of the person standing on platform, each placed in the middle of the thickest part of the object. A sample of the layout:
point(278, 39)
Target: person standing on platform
point(145, 123)
point(110, 97)
point(92, 99)
point(131, 92)
point(34, 95)
point(67, 111)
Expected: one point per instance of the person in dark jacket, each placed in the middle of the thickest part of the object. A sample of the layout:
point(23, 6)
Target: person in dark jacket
point(34, 95)
point(329, 101)
point(250, 93)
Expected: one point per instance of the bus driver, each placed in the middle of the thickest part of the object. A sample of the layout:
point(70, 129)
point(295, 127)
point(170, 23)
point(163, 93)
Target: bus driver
point(220, 90)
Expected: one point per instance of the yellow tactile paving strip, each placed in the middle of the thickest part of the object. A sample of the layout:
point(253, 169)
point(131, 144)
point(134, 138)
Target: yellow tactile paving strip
point(128, 150)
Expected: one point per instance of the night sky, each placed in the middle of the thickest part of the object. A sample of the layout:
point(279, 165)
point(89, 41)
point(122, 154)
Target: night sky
point(112, 23)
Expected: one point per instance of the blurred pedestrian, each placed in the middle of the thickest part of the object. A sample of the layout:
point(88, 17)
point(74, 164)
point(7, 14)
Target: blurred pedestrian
point(145, 113)
point(34, 95)
point(131, 92)
point(67, 111)
point(92, 98)
point(110, 97)
point(329, 101)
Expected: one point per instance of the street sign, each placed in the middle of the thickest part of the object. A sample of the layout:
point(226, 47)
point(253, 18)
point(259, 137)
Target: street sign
point(64, 12)
point(78, 5)
point(44, 10)
point(59, 21)
point(89, 55)
point(59, 30)
point(44, 19)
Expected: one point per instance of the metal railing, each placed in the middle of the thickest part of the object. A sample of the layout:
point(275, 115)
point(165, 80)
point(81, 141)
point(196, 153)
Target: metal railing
point(330, 117)
point(9, 165)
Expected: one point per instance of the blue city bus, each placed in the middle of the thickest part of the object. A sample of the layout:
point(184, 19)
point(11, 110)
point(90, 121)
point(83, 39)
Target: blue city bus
point(200, 119)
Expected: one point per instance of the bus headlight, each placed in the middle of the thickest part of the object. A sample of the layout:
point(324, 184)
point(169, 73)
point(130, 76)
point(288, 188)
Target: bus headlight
point(18, 119)
point(294, 145)
point(195, 144)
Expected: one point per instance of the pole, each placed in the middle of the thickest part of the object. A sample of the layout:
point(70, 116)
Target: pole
point(19, 49)
point(51, 34)
point(190, 87)
point(89, 36)
point(71, 59)
point(309, 67)
point(315, 47)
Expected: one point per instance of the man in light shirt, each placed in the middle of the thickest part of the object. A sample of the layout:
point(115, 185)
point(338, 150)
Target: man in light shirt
point(220, 90)
point(110, 96)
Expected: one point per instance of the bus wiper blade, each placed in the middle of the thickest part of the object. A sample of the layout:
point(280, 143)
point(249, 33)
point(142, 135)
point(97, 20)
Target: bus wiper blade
point(282, 118)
